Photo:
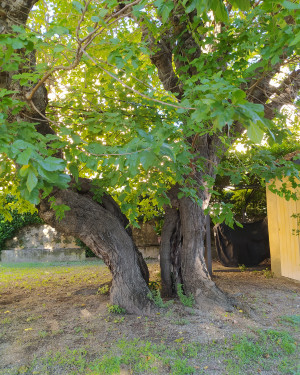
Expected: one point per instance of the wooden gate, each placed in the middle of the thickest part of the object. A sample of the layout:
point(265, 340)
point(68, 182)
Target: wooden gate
point(284, 237)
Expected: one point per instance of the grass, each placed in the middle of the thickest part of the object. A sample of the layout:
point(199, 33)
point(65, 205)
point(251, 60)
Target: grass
point(268, 350)
point(291, 320)
point(33, 275)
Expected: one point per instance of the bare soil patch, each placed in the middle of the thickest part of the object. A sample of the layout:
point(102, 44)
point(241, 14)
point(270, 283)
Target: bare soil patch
point(49, 309)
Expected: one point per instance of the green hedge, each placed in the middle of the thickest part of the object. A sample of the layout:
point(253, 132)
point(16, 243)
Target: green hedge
point(9, 228)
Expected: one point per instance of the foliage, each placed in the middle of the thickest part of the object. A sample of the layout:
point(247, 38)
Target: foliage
point(188, 301)
point(115, 309)
point(296, 232)
point(293, 320)
point(268, 274)
point(88, 252)
point(112, 119)
point(242, 268)
point(18, 221)
point(242, 177)
point(155, 296)
point(103, 290)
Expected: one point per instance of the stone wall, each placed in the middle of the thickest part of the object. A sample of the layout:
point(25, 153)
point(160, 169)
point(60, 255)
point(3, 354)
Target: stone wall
point(41, 242)
point(42, 255)
point(146, 239)
point(40, 236)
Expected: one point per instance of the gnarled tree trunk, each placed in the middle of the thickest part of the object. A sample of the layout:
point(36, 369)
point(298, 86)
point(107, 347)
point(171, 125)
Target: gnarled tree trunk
point(104, 233)
point(183, 239)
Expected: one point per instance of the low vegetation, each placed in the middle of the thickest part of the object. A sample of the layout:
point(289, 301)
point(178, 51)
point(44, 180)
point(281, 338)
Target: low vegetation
point(269, 350)
point(67, 327)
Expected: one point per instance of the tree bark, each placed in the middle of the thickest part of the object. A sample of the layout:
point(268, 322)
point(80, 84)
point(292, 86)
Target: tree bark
point(182, 257)
point(99, 229)
point(183, 236)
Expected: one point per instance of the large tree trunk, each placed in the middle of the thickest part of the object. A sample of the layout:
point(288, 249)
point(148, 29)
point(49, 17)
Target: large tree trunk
point(182, 256)
point(99, 229)
point(99, 226)
point(183, 238)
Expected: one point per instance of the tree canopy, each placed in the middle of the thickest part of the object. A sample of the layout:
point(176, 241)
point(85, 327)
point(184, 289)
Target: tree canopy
point(114, 119)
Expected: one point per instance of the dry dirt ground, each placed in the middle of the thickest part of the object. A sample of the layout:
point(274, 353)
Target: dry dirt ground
point(47, 309)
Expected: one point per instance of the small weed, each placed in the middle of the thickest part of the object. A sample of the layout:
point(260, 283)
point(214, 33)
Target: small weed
point(115, 309)
point(268, 274)
point(154, 285)
point(107, 366)
point(155, 296)
point(6, 321)
point(86, 334)
point(119, 320)
point(43, 334)
point(242, 268)
point(268, 351)
point(181, 367)
point(188, 301)
point(182, 322)
point(77, 329)
point(103, 290)
point(33, 318)
point(255, 352)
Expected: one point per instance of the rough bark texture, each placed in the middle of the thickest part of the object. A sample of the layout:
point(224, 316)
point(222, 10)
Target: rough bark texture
point(99, 229)
point(169, 246)
point(102, 227)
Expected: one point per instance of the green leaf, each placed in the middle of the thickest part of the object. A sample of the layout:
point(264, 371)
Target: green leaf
point(164, 8)
point(103, 12)
point(21, 145)
point(59, 30)
point(17, 44)
point(24, 170)
point(24, 156)
point(52, 164)
point(220, 11)
point(290, 5)
point(31, 180)
point(92, 163)
point(241, 4)
point(148, 159)
point(296, 40)
point(63, 181)
point(73, 167)
point(255, 132)
point(96, 148)
point(59, 48)
point(76, 4)
point(167, 150)
point(238, 96)
point(95, 18)
point(34, 196)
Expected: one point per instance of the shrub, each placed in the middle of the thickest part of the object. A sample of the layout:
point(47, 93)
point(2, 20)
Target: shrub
point(9, 228)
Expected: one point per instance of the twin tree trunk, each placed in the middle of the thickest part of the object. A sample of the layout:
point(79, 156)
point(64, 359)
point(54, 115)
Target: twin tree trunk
point(102, 227)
